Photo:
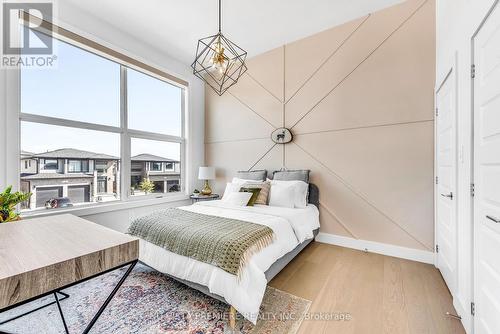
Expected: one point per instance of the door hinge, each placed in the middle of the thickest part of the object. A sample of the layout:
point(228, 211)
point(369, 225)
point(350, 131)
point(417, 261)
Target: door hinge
point(437, 248)
point(437, 180)
point(473, 308)
point(473, 71)
point(437, 111)
point(472, 189)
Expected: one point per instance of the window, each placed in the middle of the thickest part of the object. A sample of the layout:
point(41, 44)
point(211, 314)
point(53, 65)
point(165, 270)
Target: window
point(173, 186)
point(25, 164)
point(75, 119)
point(50, 164)
point(156, 166)
point(101, 166)
point(84, 87)
point(102, 184)
point(153, 105)
point(78, 166)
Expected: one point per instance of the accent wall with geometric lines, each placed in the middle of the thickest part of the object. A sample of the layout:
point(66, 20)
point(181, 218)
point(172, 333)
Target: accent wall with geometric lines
point(359, 101)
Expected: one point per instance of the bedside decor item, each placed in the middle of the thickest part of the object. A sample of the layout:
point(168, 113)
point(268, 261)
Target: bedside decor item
point(219, 62)
point(8, 202)
point(206, 173)
point(282, 136)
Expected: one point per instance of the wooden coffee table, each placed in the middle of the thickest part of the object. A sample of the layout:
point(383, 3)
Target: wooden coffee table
point(44, 256)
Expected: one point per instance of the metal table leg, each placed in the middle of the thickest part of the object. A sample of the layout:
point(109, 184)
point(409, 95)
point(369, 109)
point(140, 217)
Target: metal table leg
point(65, 296)
point(110, 297)
point(61, 313)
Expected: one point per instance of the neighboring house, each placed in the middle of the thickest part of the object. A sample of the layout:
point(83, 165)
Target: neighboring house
point(81, 176)
point(163, 172)
point(28, 163)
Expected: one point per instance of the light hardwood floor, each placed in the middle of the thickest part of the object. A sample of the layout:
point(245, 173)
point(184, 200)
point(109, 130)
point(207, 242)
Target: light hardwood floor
point(382, 294)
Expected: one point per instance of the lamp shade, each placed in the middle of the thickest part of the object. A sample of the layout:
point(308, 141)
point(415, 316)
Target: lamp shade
point(206, 173)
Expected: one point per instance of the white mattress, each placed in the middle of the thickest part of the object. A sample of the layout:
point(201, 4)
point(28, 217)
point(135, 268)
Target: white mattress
point(290, 226)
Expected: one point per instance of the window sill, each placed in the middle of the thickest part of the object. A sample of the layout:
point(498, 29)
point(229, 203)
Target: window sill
point(92, 209)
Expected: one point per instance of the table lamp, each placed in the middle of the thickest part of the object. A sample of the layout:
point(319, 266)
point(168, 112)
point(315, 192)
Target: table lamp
point(206, 173)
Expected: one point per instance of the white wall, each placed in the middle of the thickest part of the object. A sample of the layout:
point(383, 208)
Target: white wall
point(83, 24)
point(457, 20)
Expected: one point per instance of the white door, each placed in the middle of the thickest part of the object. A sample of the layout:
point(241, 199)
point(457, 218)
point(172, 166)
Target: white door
point(446, 220)
point(487, 176)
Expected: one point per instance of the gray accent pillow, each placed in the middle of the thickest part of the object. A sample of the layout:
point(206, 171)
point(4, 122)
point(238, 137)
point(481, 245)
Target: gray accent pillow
point(313, 195)
point(257, 175)
point(292, 175)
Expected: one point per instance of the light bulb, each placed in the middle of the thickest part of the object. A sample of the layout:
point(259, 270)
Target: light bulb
point(219, 60)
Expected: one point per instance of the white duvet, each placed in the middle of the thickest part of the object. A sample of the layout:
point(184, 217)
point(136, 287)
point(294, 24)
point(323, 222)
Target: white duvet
point(290, 226)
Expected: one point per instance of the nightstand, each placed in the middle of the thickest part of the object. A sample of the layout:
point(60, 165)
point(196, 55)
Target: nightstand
point(197, 198)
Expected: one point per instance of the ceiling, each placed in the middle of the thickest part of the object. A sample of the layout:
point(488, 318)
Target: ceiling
point(174, 26)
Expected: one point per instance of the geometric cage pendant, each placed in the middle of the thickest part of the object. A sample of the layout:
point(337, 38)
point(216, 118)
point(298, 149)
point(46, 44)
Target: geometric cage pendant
point(219, 62)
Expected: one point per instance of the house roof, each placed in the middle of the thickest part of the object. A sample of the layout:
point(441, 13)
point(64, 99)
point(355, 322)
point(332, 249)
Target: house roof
point(43, 176)
point(151, 157)
point(26, 154)
point(72, 153)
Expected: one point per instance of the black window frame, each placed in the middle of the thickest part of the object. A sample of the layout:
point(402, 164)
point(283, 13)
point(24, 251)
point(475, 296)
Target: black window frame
point(156, 163)
point(49, 159)
point(82, 170)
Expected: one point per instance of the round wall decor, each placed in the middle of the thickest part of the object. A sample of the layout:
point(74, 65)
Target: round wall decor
point(282, 136)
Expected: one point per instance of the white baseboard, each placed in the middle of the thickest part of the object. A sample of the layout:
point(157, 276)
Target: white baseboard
point(377, 247)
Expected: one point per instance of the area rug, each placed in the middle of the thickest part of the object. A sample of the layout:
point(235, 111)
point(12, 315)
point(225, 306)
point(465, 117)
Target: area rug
point(150, 302)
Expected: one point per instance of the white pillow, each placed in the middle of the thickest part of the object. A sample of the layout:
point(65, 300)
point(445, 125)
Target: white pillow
point(237, 198)
point(282, 195)
point(300, 189)
point(231, 188)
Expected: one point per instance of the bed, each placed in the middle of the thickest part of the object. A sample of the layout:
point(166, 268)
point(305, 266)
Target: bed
point(294, 229)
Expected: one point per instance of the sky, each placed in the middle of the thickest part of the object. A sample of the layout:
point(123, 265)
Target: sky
point(86, 87)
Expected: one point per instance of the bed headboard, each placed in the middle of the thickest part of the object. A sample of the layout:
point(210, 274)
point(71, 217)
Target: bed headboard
point(314, 194)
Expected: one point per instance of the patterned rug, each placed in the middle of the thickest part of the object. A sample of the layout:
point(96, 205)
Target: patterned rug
point(150, 302)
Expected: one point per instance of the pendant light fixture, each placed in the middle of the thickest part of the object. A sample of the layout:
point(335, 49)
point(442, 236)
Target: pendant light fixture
point(219, 62)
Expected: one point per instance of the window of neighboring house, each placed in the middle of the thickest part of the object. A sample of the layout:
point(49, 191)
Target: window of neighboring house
point(50, 164)
point(78, 166)
point(156, 166)
point(101, 166)
point(102, 184)
point(169, 166)
point(90, 105)
point(173, 186)
point(25, 164)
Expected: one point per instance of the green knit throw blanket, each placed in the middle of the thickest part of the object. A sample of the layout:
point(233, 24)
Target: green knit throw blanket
point(223, 242)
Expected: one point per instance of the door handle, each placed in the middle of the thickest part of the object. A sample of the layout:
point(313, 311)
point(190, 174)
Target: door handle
point(496, 220)
point(450, 195)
